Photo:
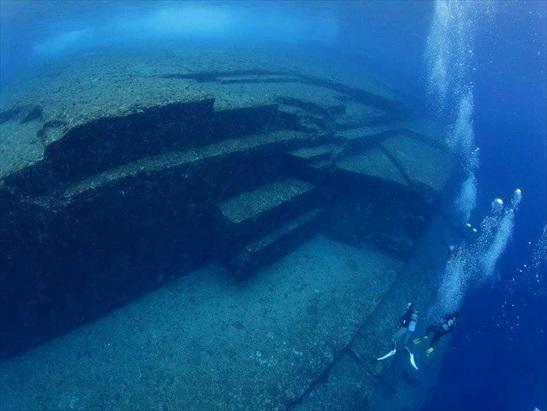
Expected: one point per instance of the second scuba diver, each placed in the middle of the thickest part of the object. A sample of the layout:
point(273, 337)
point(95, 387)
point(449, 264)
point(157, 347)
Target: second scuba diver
point(437, 330)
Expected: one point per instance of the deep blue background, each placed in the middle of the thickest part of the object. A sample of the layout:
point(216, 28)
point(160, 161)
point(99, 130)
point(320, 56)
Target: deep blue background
point(499, 356)
point(499, 359)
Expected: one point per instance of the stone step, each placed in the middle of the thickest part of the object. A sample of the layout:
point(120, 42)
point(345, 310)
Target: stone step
point(424, 165)
point(111, 142)
point(182, 163)
point(247, 216)
point(251, 205)
point(316, 153)
point(366, 132)
point(373, 164)
point(272, 246)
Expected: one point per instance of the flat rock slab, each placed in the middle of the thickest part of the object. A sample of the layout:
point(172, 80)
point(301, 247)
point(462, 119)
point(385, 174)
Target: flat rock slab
point(423, 163)
point(373, 163)
point(250, 205)
point(365, 132)
point(206, 342)
point(308, 153)
point(358, 114)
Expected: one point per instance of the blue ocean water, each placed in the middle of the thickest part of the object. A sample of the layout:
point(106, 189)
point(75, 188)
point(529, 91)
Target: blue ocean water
point(498, 355)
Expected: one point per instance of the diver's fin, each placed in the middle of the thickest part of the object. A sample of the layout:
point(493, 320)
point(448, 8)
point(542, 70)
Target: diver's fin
point(389, 354)
point(412, 360)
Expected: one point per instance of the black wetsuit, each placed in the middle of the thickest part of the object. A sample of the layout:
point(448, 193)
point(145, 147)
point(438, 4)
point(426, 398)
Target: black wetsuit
point(406, 317)
point(404, 323)
point(446, 325)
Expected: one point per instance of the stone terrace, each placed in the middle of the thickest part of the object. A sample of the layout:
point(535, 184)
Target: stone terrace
point(118, 178)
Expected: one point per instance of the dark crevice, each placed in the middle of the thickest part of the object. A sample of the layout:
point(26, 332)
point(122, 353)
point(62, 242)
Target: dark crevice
point(259, 81)
point(33, 114)
point(349, 351)
point(209, 76)
point(49, 125)
point(325, 374)
point(426, 193)
point(24, 114)
point(321, 379)
point(9, 114)
point(395, 162)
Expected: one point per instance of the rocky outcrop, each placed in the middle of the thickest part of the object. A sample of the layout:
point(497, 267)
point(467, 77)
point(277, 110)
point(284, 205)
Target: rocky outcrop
point(104, 202)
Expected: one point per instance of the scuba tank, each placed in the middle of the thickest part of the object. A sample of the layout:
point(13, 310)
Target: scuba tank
point(448, 325)
point(412, 323)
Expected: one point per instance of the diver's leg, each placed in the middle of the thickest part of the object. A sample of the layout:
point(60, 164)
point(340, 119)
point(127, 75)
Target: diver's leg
point(436, 336)
point(407, 337)
point(397, 336)
point(394, 340)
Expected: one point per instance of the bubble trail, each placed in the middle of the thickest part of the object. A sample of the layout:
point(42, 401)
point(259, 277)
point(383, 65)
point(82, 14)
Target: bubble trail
point(474, 261)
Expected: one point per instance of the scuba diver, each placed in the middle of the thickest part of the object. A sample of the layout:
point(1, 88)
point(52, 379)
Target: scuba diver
point(451, 249)
point(407, 325)
point(437, 330)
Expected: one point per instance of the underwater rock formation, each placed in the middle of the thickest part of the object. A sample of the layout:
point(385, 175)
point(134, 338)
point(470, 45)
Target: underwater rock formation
point(247, 168)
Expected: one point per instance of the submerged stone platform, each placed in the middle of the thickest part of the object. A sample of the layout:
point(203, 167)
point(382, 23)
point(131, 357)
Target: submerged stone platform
point(225, 226)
